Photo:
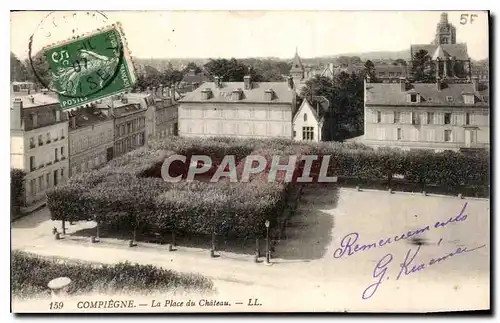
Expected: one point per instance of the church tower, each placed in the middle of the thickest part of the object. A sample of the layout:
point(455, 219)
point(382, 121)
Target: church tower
point(297, 71)
point(445, 32)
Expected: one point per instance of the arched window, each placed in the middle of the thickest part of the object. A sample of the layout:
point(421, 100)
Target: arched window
point(305, 117)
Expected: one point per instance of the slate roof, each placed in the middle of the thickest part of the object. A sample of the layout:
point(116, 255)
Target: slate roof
point(87, 116)
point(391, 94)
point(35, 99)
point(282, 94)
point(459, 51)
point(390, 68)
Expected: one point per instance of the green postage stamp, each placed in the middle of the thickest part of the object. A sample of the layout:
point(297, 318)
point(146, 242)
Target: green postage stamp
point(90, 68)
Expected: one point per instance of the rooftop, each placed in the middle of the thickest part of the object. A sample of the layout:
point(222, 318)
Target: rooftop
point(449, 95)
point(281, 92)
point(459, 51)
point(87, 116)
point(35, 99)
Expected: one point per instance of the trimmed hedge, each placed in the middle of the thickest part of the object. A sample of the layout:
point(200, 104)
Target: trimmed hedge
point(16, 190)
point(32, 273)
point(129, 193)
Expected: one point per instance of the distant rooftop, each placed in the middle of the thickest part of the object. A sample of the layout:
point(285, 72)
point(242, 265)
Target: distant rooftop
point(87, 116)
point(35, 99)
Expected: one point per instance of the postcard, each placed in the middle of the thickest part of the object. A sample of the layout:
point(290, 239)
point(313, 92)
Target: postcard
point(250, 161)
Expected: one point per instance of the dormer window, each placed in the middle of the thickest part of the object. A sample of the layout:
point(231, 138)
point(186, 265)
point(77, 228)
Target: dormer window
point(449, 99)
point(269, 95)
point(413, 98)
point(206, 94)
point(468, 98)
point(486, 98)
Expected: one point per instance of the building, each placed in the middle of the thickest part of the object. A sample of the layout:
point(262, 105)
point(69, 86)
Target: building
point(191, 81)
point(238, 109)
point(91, 139)
point(162, 115)
point(309, 120)
point(39, 144)
point(451, 59)
point(439, 116)
point(390, 73)
point(129, 124)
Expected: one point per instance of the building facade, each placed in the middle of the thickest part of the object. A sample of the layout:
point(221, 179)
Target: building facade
point(39, 144)
point(91, 139)
point(440, 116)
point(238, 109)
point(129, 125)
point(309, 120)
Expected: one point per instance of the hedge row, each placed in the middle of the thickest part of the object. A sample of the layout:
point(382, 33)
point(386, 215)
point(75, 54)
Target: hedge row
point(16, 190)
point(31, 274)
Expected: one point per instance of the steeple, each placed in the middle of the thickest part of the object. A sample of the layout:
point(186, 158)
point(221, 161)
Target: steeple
point(445, 31)
point(297, 70)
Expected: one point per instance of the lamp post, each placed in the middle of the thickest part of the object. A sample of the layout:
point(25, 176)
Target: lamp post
point(267, 241)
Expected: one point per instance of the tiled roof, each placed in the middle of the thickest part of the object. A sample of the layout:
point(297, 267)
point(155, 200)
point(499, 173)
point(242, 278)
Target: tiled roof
point(459, 51)
point(282, 94)
point(391, 94)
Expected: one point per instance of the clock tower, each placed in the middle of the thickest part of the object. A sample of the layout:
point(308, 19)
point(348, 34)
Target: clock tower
point(445, 32)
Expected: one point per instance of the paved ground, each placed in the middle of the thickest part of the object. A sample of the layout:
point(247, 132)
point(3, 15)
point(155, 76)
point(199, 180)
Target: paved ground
point(305, 275)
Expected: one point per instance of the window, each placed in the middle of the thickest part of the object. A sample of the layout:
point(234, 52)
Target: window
point(469, 99)
point(47, 180)
point(447, 118)
point(294, 134)
point(33, 187)
point(413, 98)
point(430, 117)
point(40, 140)
point(62, 133)
point(305, 117)
point(40, 183)
point(467, 118)
point(56, 154)
point(307, 133)
point(391, 73)
point(447, 135)
point(129, 127)
point(415, 118)
point(449, 99)
point(32, 142)
point(397, 117)
point(55, 177)
point(400, 133)
point(379, 116)
point(62, 152)
point(32, 163)
point(62, 172)
point(48, 137)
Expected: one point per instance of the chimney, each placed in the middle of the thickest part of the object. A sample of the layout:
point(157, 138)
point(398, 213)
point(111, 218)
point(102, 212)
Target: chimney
point(73, 121)
point(58, 115)
point(248, 82)
point(475, 83)
point(402, 83)
point(444, 18)
point(291, 86)
point(439, 84)
point(15, 114)
point(124, 99)
point(218, 82)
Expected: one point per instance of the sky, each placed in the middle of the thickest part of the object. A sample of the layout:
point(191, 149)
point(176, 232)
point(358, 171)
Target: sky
point(204, 34)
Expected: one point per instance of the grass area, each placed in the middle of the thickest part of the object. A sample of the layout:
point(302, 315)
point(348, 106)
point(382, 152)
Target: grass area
point(31, 274)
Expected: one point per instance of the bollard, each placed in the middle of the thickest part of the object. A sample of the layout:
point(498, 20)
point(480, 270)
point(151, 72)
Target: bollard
point(212, 253)
point(460, 196)
point(59, 287)
point(424, 193)
point(170, 247)
point(390, 191)
point(131, 243)
point(58, 236)
point(357, 188)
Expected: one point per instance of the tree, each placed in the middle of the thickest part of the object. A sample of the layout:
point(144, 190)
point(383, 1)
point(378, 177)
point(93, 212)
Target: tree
point(370, 71)
point(399, 61)
point(192, 66)
point(37, 70)
point(422, 67)
point(17, 69)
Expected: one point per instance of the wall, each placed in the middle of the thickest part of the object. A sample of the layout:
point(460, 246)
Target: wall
point(424, 132)
point(235, 119)
point(126, 140)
